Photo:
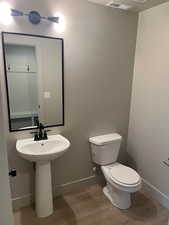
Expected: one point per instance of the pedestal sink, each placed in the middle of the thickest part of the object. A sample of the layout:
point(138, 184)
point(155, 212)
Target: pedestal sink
point(42, 152)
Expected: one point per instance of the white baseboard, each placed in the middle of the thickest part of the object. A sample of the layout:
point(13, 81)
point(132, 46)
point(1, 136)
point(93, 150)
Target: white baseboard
point(74, 185)
point(156, 193)
point(27, 200)
point(22, 201)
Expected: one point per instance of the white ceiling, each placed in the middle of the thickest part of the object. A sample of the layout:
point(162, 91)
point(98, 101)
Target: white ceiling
point(137, 5)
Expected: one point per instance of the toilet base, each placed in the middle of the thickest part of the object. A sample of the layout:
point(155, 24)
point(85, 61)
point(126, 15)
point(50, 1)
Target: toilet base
point(118, 198)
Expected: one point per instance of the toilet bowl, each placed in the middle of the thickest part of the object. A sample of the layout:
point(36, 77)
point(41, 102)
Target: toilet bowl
point(121, 180)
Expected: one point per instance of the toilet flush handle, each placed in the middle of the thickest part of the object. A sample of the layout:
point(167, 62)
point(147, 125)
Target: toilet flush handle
point(166, 163)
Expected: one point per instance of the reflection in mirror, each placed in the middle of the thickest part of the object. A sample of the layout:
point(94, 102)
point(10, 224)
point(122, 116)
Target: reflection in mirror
point(34, 80)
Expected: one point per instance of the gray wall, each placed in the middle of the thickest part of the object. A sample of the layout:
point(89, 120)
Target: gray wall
point(148, 143)
point(99, 58)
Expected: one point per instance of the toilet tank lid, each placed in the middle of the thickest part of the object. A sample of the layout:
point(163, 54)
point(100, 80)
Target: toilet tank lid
point(105, 139)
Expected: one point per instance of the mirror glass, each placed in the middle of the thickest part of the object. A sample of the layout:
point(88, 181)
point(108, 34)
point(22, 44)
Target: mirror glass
point(34, 80)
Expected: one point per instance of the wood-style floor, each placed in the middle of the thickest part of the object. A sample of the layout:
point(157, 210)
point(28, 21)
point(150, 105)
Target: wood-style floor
point(90, 207)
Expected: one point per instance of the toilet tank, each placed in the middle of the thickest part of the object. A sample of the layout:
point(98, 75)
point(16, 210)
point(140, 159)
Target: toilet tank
point(105, 148)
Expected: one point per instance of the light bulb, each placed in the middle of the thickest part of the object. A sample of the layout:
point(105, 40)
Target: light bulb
point(5, 13)
point(60, 27)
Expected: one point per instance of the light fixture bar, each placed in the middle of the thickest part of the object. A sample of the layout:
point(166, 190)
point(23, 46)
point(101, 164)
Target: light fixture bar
point(15, 12)
point(34, 16)
point(53, 19)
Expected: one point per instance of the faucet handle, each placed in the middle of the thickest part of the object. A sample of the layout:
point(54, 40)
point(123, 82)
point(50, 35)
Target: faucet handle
point(45, 136)
point(36, 138)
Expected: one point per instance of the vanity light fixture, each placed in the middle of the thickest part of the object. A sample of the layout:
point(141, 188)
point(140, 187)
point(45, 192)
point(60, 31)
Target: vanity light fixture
point(34, 17)
point(7, 13)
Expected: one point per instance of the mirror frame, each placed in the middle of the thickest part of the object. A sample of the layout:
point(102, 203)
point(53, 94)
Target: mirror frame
point(6, 80)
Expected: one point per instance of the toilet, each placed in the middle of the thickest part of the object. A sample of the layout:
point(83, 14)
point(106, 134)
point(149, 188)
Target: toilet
point(121, 180)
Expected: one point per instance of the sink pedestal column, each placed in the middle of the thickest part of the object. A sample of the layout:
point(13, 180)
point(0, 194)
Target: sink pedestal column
point(43, 192)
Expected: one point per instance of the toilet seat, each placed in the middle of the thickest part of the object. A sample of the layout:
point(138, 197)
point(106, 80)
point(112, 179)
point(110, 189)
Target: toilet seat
point(122, 175)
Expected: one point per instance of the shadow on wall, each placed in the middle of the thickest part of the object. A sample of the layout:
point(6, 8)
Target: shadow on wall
point(130, 161)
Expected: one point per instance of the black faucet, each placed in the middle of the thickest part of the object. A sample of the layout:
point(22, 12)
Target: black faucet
point(41, 134)
point(41, 131)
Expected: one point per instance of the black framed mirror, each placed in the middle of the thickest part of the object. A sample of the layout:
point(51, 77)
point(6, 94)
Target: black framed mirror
point(34, 74)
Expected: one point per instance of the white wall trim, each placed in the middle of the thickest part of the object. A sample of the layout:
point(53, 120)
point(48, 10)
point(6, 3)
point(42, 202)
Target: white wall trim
point(156, 193)
point(86, 180)
point(22, 201)
point(28, 199)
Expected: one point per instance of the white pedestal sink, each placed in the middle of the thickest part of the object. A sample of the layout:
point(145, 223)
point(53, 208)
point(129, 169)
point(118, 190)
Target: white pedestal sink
point(42, 152)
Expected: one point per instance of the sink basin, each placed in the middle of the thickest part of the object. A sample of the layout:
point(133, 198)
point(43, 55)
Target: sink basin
point(48, 150)
point(42, 152)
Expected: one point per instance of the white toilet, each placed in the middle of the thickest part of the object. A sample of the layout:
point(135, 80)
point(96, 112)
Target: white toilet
point(121, 180)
